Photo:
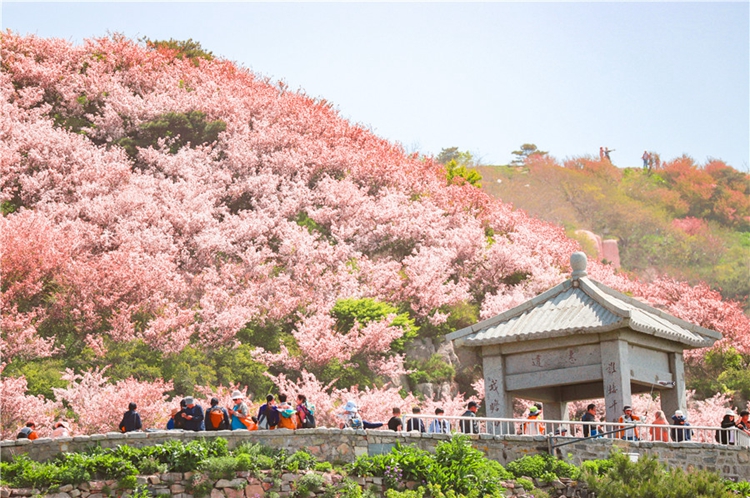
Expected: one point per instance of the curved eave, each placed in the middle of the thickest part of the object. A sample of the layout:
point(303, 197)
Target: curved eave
point(539, 335)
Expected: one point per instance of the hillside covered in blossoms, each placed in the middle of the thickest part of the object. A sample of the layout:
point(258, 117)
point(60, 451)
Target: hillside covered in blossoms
point(179, 225)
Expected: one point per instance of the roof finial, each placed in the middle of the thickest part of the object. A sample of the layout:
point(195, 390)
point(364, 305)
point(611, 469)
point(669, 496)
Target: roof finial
point(578, 262)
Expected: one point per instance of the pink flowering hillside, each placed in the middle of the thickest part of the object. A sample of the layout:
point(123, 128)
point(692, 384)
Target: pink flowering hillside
point(168, 216)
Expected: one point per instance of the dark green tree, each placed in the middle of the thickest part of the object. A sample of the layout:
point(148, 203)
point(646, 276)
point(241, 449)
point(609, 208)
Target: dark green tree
point(526, 151)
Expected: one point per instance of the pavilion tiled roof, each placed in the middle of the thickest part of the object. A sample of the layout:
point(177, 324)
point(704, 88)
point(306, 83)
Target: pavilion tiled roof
point(581, 306)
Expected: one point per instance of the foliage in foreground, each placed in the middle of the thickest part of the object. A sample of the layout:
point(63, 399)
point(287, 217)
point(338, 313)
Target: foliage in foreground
point(455, 470)
point(649, 477)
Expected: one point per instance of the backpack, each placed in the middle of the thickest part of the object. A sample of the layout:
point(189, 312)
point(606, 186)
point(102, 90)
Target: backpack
point(309, 422)
point(355, 422)
point(216, 419)
point(262, 420)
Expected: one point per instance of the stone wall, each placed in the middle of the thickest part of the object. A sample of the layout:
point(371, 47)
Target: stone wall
point(262, 485)
point(344, 445)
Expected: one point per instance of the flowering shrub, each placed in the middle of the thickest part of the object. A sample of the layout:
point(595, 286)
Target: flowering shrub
point(178, 200)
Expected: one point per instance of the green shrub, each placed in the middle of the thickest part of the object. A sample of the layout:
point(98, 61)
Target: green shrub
point(309, 483)
point(456, 465)
point(150, 465)
point(200, 486)
point(245, 462)
point(178, 128)
point(323, 467)
point(435, 369)
point(739, 488)
point(264, 462)
point(219, 467)
point(544, 467)
point(366, 310)
point(649, 477)
point(526, 484)
point(597, 467)
point(127, 482)
point(300, 460)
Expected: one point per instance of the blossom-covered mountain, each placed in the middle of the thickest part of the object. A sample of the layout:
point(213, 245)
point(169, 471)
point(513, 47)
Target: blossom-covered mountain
point(184, 202)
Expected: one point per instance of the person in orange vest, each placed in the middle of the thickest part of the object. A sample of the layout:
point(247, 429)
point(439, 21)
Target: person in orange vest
point(533, 428)
point(628, 432)
point(28, 432)
point(288, 415)
point(217, 417)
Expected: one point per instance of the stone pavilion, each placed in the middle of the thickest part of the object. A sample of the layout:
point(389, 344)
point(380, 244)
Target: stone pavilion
point(582, 340)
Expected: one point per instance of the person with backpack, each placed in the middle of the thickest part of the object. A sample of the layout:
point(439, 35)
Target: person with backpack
point(305, 413)
point(217, 418)
point(680, 435)
point(288, 418)
point(239, 413)
point(268, 414)
point(28, 431)
point(353, 420)
point(131, 419)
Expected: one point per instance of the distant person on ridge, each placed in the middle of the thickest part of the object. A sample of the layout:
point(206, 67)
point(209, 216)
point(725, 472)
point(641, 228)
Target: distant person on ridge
point(646, 159)
point(607, 150)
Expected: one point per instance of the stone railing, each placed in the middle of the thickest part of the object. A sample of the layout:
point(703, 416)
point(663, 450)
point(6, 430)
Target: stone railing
point(344, 445)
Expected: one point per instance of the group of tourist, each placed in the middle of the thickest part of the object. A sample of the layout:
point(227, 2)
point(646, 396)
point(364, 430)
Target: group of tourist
point(438, 425)
point(279, 413)
point(274, 413)
point(61, 429)
point(677, 431)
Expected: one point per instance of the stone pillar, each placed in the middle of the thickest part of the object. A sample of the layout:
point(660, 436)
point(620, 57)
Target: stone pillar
point(616, 377)
point(499, 403)
point(556, 411)
point(674, 398)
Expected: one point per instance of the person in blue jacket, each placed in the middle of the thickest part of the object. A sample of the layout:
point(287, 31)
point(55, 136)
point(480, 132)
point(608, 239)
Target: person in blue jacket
point(192, 416)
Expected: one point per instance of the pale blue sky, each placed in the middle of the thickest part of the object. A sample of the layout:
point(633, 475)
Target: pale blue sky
point(486, 77)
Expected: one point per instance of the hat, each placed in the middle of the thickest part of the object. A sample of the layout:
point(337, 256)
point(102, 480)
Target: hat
point(189, 400)
point(237, 395)
point(626, 408)
point(679, 414)
point(351, 406)
point(729, 412)
point(533, 410)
